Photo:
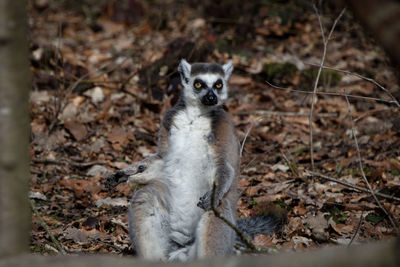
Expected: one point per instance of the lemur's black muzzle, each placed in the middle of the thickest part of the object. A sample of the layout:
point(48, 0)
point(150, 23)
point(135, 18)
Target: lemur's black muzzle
point(209, 99)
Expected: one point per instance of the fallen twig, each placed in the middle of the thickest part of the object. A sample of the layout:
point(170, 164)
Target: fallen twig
point(357, 229)
point(46, 228)
point(331, 93)
point(325, 42)
point(247, 133)
point(267, 185)
point(65, 161)
point(356, 187)
point(361, 165)
point(394, 100)
point(268, 113)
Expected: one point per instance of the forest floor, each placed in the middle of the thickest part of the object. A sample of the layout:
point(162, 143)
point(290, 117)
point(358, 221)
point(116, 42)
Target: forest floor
point(103, 75)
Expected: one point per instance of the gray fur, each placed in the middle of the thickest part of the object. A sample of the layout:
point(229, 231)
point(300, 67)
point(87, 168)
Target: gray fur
point(202, 68)
point(149, 220)
point(184, 70)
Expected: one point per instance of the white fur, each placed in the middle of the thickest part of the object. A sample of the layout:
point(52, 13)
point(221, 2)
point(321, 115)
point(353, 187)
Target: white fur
point(228, 68)
point(152, 172)
point(190, 170)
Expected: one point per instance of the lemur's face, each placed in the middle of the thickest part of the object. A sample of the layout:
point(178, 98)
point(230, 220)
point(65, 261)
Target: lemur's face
point(205, 84)
point(143, 171)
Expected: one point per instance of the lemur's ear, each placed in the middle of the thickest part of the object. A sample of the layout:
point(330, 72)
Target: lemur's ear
point(184, 70)
point(228, 68)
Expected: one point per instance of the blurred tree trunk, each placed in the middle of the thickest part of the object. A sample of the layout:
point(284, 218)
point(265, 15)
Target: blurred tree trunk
point(382, 18)
point(15, 216)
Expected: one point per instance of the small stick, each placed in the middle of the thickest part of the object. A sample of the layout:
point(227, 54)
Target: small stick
point(268, 113)
point(217, 214)
point(247, 133)
point(46, 228)
point(325, 42)
point(394, 100)
point(361, 165)
point(333, 94)
point(74, 163)
point(357, 229)
point(352, 186)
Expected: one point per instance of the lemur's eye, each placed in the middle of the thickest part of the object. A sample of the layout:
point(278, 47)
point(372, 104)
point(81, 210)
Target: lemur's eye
point(197, 85)
point(218, 85)
point(141, 168)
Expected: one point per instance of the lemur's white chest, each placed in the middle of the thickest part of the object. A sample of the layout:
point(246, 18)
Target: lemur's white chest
point(189, 166)
point(190, 153)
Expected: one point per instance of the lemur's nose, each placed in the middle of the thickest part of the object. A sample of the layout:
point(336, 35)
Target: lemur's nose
point(210, 99)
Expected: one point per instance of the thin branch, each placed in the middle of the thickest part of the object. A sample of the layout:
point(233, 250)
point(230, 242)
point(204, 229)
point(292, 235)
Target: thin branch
point(352, 186)
point(268, 113)
point(71, 162)
point(333, 94)
point(320, 23)
point(334, 24)
point(361, 165)
point(394, 100)
point(313, 100)
point(217, 214)
point(357, 229)
point(46, 228)
point(247, 133)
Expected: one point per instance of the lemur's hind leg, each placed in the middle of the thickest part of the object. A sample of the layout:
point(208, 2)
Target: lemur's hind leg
point(214, 236)
point(148, 222)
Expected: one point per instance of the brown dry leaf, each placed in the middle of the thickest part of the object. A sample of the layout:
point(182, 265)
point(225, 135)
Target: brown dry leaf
point(239, 80)
point(38, 128)
point(92, 233)
point(299, 210)
point(342, 229)
point(301, 242)
point(269, 198)
point(118, 135)
point(263, 241)
point(318, 225)
point(75, 234)
point(77, 129)
point(395, 164)
point(243, 183)
point(252, 190)
point(80, 186)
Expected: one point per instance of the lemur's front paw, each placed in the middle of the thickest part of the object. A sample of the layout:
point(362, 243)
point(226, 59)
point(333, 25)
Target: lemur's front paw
point(115, 179)
point(205, 201)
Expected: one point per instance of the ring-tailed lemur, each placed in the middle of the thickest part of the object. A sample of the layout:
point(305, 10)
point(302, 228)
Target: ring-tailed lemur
point(199, 147)
point(138, 173)
point(149, 207)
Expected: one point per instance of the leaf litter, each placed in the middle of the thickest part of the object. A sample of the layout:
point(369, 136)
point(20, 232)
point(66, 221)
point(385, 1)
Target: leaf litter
point(104, 74)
